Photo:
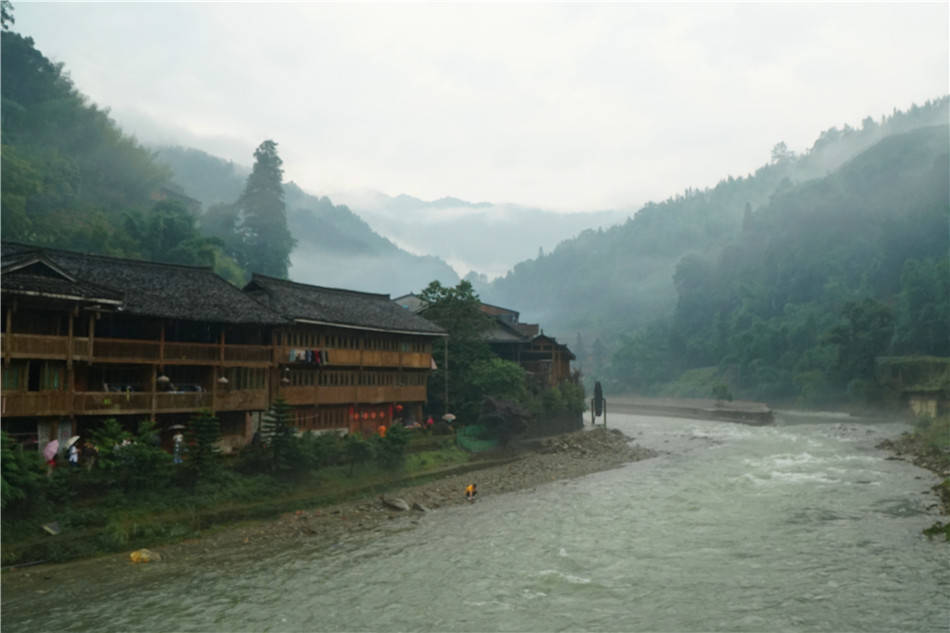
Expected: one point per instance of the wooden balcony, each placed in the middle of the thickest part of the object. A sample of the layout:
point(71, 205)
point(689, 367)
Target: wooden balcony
point(241, 400)
point(44, 347)
point(29, 403)
point(364, 358)
point(45, 403)
point(352, 395)
point(112, 350)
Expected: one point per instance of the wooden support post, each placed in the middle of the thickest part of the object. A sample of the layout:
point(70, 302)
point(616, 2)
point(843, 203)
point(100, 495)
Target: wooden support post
point(154, 382)
point(446, 370)
point(92, 336)
point(8, 336)
point(69, 341)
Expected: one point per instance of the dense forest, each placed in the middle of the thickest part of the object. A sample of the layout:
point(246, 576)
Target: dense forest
point(784, 285)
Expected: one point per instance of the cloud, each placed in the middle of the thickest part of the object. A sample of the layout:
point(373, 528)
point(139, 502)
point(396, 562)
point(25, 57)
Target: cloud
point(563, 106)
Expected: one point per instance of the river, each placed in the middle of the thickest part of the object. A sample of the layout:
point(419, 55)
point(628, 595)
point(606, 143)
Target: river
point(800, 526)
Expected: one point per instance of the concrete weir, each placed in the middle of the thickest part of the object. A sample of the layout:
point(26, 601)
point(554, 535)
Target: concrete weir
point(741, 411)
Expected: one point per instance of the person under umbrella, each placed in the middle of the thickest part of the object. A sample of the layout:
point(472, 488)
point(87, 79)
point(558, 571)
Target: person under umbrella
point(49, 453)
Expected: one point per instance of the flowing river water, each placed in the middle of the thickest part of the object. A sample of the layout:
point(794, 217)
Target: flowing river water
point(800, 526)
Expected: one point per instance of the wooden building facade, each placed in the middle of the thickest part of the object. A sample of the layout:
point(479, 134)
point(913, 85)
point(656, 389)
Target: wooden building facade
point(86, 338)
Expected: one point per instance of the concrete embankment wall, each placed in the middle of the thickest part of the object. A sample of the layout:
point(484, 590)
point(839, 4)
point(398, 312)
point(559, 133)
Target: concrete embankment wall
point(744, 412)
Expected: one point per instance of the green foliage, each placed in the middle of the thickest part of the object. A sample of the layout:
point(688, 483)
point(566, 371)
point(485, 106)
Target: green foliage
point(457, 310)
point(277, 432)
point(69, 174)
point(321, 450)
point(22, 474)
point(357, 450)
point(826, 277)
point(721, 392)
point(262, 219)
point(201, 439)
point(390, 450)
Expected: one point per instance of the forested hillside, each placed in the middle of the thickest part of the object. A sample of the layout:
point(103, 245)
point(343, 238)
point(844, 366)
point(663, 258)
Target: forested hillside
point(72, 179)
point(335, 247)
point(606, 281)
point(781, 285)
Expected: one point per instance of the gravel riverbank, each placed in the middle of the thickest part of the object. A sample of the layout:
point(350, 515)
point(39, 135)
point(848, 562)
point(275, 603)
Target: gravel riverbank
point(529, 465)
point(560, 457)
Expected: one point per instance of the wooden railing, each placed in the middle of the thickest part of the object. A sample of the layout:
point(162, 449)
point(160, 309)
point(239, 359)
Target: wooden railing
point(115, 349)
point(125, 350)
point(104, 403)
point(248, 353)
point(366, 358)
point(35, 346)
point(192, 352)
point(241, 400)
point(29, 403)
point(187, 401)
point(352, 394)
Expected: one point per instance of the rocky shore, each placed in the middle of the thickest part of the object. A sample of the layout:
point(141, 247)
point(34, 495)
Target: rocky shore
point(519, 468)
point(910, 447)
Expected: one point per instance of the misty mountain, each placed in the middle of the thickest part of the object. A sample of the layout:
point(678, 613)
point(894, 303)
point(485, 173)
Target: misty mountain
point(605, 282)
point(485, 237)
point(335, 247)
point(828, 277)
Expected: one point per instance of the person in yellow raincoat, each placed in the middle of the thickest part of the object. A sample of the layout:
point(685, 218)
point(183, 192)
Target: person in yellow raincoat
point(471, 491)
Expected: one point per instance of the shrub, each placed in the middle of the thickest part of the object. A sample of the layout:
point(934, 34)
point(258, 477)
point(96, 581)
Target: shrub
point(22, 475)
point(202, 435)
point(391, 449)
point(357, 450)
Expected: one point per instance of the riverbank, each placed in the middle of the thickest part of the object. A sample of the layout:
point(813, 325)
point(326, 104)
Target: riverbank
point(740, 411)
point(522, 467)
point(928, 446)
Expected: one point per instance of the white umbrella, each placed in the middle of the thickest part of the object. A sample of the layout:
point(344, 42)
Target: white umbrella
point(448, 417)
point(72, 440)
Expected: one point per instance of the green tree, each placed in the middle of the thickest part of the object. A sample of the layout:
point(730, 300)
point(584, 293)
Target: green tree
point(864, 332)
point(202, 435)
point(277, 431)
point(458, 311)
point(22, 474)
point(358, 451)
point(266, 240)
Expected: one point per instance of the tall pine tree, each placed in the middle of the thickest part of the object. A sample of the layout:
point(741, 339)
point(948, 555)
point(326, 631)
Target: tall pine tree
point(266, 240)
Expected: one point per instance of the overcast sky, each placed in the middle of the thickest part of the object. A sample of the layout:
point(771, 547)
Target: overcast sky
point(571, 107)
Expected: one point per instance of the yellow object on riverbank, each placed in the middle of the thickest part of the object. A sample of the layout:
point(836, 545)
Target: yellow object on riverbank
point(144, 556)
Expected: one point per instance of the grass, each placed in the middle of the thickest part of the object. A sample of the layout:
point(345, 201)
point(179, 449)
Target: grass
point(117, 521)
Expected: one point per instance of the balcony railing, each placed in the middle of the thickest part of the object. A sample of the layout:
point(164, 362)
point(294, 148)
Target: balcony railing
point(366, 358)
point(130, 350)
point(42, 403)
point(352, 394)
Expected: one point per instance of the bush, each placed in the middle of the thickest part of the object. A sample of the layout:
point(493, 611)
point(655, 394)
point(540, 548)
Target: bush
point(22, 475)
point(202, 435)
point(391, 449)
point(357, 450)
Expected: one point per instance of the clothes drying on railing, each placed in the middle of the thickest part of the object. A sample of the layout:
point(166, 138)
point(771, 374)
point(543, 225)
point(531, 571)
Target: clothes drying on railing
point(309, 356)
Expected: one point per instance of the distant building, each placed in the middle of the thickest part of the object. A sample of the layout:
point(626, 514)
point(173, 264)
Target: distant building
point(540, 355)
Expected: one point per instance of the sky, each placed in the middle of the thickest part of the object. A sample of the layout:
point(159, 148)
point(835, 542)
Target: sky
point(570, 107)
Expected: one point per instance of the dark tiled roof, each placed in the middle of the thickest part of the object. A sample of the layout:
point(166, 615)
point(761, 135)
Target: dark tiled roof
point(338, 307)
point(160, 290)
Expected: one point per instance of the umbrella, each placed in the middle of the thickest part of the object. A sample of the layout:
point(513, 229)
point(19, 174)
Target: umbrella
point(72, 440)
point(49, 452)
point(176, 426)
point(448, 417)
